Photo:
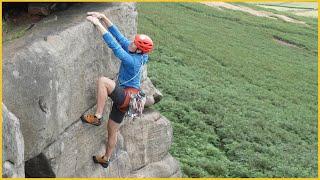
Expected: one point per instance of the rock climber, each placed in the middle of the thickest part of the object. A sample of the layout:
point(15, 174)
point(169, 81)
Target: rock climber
point(133, 55)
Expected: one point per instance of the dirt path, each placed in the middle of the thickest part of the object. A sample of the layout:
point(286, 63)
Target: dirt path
point(252, 11)
point(297, 11)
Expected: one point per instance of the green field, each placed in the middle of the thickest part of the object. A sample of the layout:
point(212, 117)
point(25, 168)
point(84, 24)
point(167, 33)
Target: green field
point(241, 104)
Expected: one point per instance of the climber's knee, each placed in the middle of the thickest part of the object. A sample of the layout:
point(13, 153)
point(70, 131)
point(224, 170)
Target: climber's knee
point(107, 83)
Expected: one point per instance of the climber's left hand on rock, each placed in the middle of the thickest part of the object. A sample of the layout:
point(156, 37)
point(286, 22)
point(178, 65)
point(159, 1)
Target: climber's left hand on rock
point(100, 16)
point(94, 20)
point(97, 14)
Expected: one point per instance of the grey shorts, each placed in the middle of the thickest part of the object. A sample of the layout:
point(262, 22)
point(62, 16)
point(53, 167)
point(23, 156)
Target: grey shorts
point(118, 96)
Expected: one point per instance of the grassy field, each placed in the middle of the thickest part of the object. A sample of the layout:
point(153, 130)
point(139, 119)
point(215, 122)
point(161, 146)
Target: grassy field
point(241, 104)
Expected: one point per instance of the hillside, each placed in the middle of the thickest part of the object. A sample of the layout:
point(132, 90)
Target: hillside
point(240, 90)
point(49, 82)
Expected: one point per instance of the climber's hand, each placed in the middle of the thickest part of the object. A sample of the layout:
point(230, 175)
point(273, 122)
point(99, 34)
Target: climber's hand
point(97, 15)
point(94, 20)
point(100, 16)
point(97, 23)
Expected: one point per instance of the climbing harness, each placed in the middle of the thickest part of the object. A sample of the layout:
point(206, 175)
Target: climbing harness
point(136, 104)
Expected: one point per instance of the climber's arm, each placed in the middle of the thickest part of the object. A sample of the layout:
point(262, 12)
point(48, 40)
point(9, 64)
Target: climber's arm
point(97, 23)
point(101, 17)
point(118, 51)
point(124, 42)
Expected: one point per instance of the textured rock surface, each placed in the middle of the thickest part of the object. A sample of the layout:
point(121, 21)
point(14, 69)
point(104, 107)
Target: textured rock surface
point(50, 75)
point(74, 148)
point(147, 139)
point(12, 145)
point(167, 167)
point(153, 94)
point(50, 80)
point(119, 167)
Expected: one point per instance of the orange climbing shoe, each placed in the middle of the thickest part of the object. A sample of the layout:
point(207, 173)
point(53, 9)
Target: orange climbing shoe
point(91, 119)
point(100, 160)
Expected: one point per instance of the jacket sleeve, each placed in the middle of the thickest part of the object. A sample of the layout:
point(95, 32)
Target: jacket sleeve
point(118, 51)
point(124, 42)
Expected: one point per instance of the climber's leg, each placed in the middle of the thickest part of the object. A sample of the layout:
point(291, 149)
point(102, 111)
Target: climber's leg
point(105, 88)
point(112, 128)
point(116, 116)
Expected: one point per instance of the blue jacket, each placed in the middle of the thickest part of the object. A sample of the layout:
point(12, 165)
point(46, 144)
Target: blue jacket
point(130, 62)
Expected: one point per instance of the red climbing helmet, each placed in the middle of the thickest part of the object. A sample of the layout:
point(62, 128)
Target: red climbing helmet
point(143, 43)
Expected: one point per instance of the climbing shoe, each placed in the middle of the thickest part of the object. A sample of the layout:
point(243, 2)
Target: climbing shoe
point(91, 119)
point(100, 160)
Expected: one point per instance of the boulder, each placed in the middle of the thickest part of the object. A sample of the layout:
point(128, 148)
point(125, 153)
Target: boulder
point(118, 167)
point(49, 76)
point(167, 167)
point(153, 94)
point(12, 145)
point(147, 139)
point(74, 148)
